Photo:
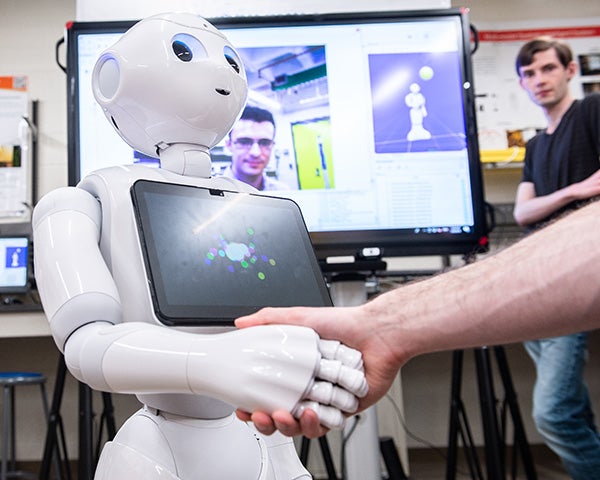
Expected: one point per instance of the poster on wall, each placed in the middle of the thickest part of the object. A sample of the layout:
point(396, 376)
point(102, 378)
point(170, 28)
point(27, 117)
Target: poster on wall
point(14, 149)
point(506, 117)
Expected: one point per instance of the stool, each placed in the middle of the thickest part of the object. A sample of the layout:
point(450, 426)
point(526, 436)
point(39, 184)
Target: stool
point(10, 380)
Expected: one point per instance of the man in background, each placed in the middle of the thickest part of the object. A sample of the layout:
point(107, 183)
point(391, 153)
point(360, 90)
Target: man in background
point(251, 142)
point(560, 174)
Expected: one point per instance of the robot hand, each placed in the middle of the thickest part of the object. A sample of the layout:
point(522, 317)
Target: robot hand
point(339, 382)
point(279, 367)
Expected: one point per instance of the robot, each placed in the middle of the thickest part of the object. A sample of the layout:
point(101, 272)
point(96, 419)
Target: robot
point(415, 100)
point(172, 87)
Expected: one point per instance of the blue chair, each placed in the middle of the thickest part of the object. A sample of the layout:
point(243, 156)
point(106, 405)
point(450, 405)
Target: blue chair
point(10, 380)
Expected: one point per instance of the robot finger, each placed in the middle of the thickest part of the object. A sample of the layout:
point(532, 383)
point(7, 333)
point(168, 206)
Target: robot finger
point(329, 417)
point(328, 394)
point(334, 350)
point(350, 379)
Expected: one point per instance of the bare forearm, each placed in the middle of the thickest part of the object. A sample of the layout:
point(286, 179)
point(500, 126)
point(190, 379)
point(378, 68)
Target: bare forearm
point(547, 284)
point(536, 209)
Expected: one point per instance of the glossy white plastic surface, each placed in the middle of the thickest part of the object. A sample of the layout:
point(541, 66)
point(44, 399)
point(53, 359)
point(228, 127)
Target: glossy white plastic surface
point(150, 444)
point(75, 282)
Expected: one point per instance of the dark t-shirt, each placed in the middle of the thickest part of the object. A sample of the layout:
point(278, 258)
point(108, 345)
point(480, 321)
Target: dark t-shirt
point(569, 155)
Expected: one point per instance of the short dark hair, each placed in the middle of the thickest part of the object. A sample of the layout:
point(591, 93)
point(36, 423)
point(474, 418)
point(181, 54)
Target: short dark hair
point(541, 44)
point(257, 114)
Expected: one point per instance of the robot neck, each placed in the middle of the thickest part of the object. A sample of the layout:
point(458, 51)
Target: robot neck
point(186, 159)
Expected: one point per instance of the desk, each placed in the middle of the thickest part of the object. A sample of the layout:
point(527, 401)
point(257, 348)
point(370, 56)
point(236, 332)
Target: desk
point(24, 324)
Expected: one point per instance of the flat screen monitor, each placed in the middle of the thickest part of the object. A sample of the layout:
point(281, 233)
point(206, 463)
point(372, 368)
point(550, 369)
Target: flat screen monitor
point(213, 255)
point(376, 137)
point(14, 266)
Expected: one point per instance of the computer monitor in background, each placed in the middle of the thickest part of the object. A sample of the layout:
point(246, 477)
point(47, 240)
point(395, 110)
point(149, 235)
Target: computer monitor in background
point(14, 266)
point(376, 134)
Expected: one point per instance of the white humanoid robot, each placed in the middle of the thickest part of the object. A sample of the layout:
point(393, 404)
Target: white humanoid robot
point(173, 86)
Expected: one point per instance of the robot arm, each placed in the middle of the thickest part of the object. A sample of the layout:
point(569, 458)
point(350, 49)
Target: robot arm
point(74, 282)
point(261, 368)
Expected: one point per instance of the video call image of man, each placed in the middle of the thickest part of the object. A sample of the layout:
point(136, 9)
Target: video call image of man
point(251, 142)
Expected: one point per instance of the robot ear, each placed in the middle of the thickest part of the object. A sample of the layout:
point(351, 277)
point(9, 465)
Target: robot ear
point(108, 76)
point(188, 48)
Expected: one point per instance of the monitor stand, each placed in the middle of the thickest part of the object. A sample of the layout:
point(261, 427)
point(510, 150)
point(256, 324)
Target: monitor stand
point(361, 434)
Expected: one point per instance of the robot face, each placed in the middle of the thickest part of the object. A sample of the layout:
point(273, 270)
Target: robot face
point(172, 78)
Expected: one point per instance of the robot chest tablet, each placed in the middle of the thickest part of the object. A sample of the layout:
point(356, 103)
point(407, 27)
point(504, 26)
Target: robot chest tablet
point(213, 255)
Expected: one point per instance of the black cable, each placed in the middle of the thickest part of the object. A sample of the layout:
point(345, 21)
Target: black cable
point(415, 437)
point(474, 38)
point(59, 43)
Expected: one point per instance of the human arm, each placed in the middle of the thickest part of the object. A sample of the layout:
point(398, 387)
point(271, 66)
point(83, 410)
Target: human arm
point(547, 284)
point(530, 208)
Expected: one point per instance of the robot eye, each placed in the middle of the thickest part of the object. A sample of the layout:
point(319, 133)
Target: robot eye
point(188, 48)
point(233, 59)
point(182, 51)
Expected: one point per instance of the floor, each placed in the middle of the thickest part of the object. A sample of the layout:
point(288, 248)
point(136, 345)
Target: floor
point(428, 464)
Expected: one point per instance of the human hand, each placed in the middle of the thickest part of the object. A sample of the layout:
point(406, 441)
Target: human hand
point(350, 325)
point(588, 188)
point(280, 367)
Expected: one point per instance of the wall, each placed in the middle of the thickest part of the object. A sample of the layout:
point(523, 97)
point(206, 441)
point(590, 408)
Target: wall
point(111, 9)
point(485, 12)
point(30, 30)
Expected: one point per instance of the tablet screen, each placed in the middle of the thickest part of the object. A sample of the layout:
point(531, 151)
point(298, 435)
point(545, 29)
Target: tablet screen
point(213, 255)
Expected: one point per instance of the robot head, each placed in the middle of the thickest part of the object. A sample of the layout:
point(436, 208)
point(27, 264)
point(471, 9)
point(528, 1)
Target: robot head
point(415, 88)
point(171, 79)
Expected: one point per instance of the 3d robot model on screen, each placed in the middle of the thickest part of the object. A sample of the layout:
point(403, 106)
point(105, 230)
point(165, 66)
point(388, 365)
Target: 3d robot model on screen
point(415, 100)
point(173, 86)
